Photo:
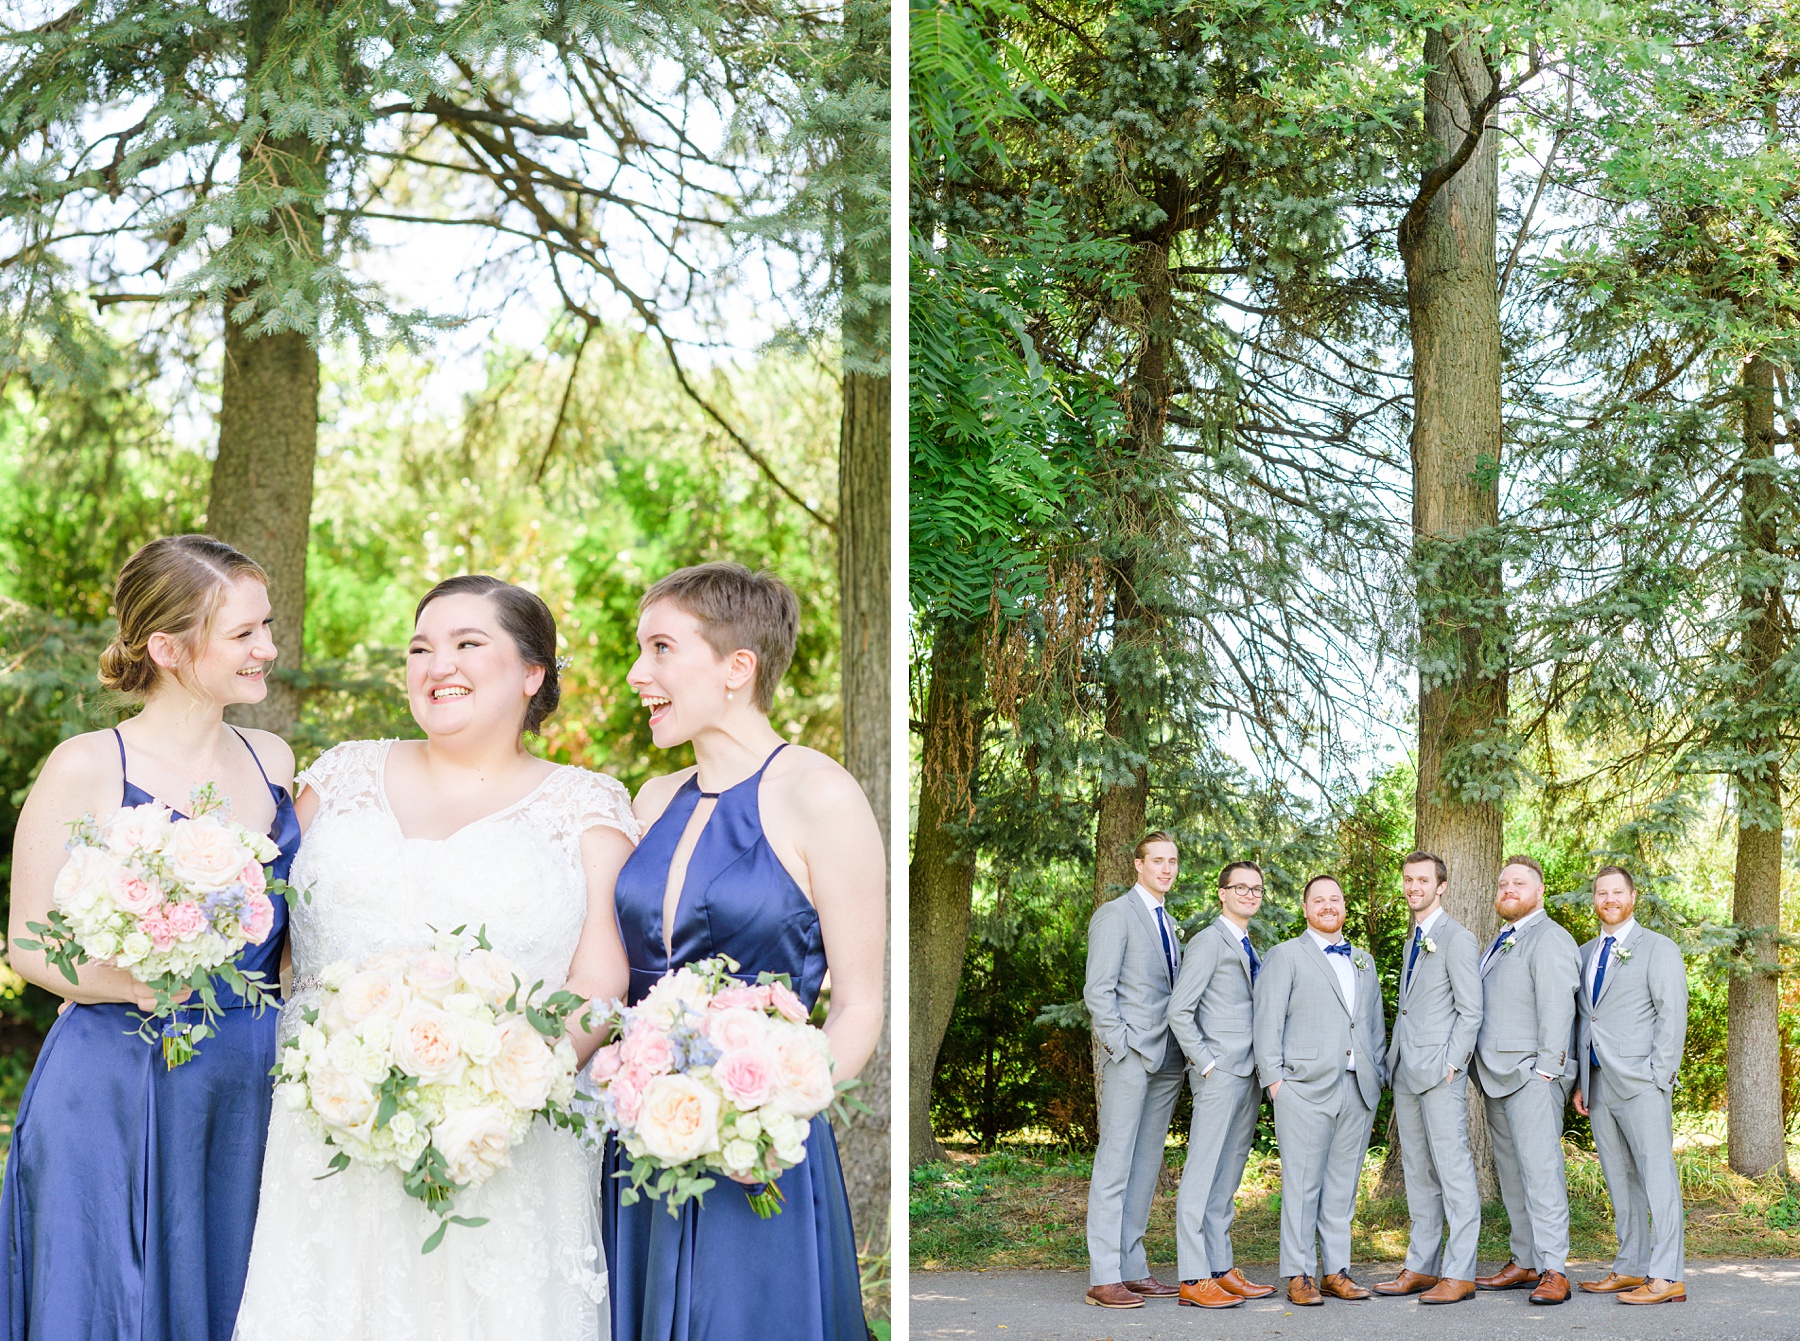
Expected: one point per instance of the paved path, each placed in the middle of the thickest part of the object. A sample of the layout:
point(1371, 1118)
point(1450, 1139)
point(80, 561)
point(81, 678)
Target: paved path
point(1727, 1301)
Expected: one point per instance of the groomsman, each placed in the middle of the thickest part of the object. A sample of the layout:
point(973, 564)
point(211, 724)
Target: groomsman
point(1320, 1049)
point(1133, 957)
point(1633, 1017)
point(1428, 1061)
point(1210, 1014)
point(1529, 978)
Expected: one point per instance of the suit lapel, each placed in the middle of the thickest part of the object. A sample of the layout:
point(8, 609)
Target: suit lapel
point(1418, 967)
point(1156, 936)
point(1237, 948)
point(1613, 968)
point(1324, 966)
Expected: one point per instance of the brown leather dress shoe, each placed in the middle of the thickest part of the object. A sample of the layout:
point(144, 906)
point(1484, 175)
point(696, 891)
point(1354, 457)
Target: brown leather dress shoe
point(1449, 1290)
point(1339, 1286)
point(1244, 1288)
point(1407, 1282)
point(1114, 1296)
point(1151, 1288)
point(1302, 1291)
point(1207, 1294)
point(1553, 1288)
point(1612, 1283)
point(1512, 1276)
point(1656, 1291)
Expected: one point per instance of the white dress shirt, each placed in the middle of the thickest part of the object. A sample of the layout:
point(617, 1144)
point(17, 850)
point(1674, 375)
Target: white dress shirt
point(1346, 975)
point(1430, 920)
point(1157, 913)
point(1618, 934)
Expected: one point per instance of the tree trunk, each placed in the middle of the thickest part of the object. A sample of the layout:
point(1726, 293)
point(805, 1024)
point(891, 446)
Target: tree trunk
point(1755, 1132)
point(1453, 302)
point(262, 484)
point(941, 880)
point(863, 615)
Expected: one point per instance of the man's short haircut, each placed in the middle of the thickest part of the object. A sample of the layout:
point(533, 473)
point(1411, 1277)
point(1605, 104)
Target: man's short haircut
point(1616, 870)
point(1154, 836)
point(1322, 875)
point(1230, 866)
point(1529, 863)
point(1414, 858)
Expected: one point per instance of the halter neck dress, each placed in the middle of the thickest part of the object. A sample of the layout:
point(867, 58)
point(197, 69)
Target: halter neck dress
point(717, 1272)
point(130, 1192)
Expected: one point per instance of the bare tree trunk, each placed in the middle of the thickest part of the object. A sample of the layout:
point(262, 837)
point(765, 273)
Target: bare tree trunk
point(863, 611)
point(941, 880)
point(1755, 1134)
point(1453, 301)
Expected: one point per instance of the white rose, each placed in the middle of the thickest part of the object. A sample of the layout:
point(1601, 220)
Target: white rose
point(748, 1126)
point(525, 1069)
point(489, 976)
point(377, 1034)
point(293, 1094)
point(367, 994)
point(431, 975)
point(313, 1041)
point(780, 1125)
point(791, 1152)
point(425, 1043)
point(204, 853)
point(474, 1143)
point(104, 945)
point(342, 1099)
point(372, 1064)
point(464, 1005)
point(480, 1041)
point(86, 877)
point(738, 1156)
point(136, 827)
point(337, 973)
point(802, 1075)
point(679, 1119)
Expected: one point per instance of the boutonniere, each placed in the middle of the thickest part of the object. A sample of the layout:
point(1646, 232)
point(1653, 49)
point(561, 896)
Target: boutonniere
point(1621, 954)
point(1507, 945)
point(1428, 945)
point(1361, 960)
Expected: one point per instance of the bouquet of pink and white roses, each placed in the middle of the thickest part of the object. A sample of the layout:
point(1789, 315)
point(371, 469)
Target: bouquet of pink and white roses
point(434, 1061)
point(709, 1074)
point(170, 900)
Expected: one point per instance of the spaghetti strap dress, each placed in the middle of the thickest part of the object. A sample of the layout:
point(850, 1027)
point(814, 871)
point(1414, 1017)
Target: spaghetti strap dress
point(130, 1192)
point(717, 1272)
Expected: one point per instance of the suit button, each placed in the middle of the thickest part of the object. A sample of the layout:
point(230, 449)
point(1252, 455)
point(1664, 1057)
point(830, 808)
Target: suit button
point(1347, 1052)
point(1403, 1012)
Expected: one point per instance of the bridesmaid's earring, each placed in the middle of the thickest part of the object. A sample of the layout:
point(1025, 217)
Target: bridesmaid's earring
point(729, 695)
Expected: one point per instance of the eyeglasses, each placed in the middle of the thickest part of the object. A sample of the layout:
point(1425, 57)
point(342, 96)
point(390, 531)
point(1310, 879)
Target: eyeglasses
point(1242, 890)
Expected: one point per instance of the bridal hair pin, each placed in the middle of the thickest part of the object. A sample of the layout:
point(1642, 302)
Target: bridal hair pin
point(563, 664)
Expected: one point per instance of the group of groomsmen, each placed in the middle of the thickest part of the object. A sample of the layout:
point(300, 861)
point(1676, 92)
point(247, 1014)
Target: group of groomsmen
point(1538, 1019)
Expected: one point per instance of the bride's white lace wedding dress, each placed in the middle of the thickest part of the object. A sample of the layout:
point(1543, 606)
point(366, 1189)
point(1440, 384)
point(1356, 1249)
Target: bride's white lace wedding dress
point(338, 1258)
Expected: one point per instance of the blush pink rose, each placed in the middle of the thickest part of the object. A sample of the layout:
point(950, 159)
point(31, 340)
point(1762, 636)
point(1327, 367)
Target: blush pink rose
point(157, 928)
point(741, 997)
point(526, 1069)
point(649, 1049)
point(368, 993)
point(431, 975)
point(802, 1075)
point(786, 1004)
point(425, 1043)
point(607, 1062)
point(186, 921)
point(204, 853)
point(746, 1076)
point(259, 921)
point(627, 1090)
point(730, 1029)
point(135, 896)
point(253, 879)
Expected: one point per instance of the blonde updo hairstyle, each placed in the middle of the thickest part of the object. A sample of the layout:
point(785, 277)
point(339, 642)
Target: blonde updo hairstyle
point(173, 586)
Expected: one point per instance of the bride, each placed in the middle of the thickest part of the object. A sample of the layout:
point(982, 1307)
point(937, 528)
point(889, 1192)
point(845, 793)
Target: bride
point(464, 827)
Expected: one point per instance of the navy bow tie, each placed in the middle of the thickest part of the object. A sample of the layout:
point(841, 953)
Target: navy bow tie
point(1341, 948)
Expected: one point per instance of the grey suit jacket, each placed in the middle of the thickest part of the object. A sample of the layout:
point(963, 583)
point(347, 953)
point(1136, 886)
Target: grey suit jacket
point(1528, 1009)
point(1305, 1034)
point(1127, 990)
point(1439, 1011)
point(1639, 1026)
point(1210, 1010)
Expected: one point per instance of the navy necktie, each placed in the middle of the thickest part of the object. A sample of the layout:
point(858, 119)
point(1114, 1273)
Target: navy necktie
point(1162, 929)
point(1494, 949)
point(1599, 978)
point(1341, 948)
point(1413, 958)
point(1255, 963)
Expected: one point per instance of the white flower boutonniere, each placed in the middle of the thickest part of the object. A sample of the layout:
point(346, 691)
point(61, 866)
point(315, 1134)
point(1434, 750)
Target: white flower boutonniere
point(1428, 945)
point(1506, 946)
point(1622, 955)
point(1361, 960)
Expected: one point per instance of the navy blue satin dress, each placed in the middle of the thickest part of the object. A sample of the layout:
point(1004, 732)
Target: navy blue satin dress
point(718, 1272)
point(130, 1194)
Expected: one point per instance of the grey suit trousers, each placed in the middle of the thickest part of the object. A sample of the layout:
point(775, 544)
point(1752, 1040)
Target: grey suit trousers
point(1440, 1179)
point(1526, 1127)
point(1635, 1140)
point(1323, 1146)
point(1135, 1107)
point(1219, 1142)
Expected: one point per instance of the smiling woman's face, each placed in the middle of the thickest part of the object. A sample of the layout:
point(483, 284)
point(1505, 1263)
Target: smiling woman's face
point(464, 675)
point(678, 677)
point(231, 663)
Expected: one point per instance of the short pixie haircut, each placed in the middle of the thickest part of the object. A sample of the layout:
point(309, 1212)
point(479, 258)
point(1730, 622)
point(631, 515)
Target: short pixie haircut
point(737, 609)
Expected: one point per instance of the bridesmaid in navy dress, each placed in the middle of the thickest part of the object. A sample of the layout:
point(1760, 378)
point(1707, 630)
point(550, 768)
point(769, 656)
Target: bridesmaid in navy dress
point(768, 853)
point(130, 1192)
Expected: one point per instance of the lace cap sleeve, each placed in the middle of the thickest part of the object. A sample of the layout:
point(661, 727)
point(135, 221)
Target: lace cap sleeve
point(342, 771)
point(597, 799)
